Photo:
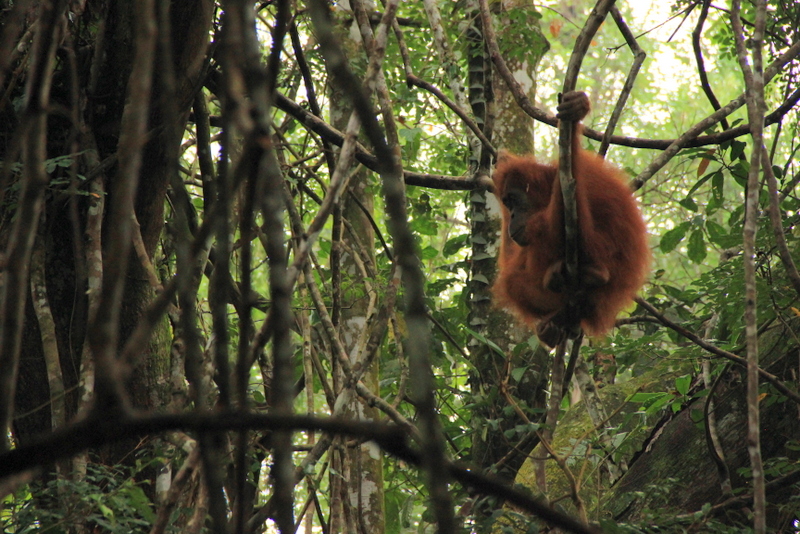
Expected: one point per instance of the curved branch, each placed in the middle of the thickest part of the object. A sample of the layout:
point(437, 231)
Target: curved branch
point(712, 119)
point(103, 430)
point(716, 351)
point(700, 140)
point(691, 139)
point(468, 122)
point(566, 130)
point(777, 223)
point(455, 183)
point(701, 67)
point(639, 55)
point(362, 155)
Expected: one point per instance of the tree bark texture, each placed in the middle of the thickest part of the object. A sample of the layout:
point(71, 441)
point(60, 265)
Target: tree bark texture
point(102, 66)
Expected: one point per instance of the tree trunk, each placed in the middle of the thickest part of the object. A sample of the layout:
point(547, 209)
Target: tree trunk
point(102, 68)
point(359, 465)
point(495, 381)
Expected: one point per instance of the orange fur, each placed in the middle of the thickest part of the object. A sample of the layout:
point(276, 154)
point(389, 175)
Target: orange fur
point(613, 237)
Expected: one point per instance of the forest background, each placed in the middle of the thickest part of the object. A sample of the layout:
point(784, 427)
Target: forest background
point(248, 251)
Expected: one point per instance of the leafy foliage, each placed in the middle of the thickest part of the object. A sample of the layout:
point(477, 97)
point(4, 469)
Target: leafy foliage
point(649, 377)
point(108, 498)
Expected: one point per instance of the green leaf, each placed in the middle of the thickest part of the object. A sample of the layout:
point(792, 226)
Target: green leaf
point(517, 373)
point(425, 226)
point(324, 247)
point(410, 141)
point(718, 184)
point(140, 503)
point(697, 185)
point(673, 291)
point(689, 204)
point(107, 512)
point(659, 403)
point(716, 232)
point(480, 278)
point(682, 384)
point(740, 170)
point(652, 402)
point(643, 397)
point(257, 396)
point(483, 339)
point(737, 148)
point(428, 253)
point(697, 247)
point(454, 244)
point(671, 239)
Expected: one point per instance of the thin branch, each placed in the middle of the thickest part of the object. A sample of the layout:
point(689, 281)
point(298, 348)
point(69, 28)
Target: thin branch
point(95, 432)
point(176, 489)
point(531, 439)
point(716, 351)
point(93, 260)
point(13, 294)
point(338, 184)
point(305, 466)
point(47, 331)
point(777, 222)
point(574, 484)
point(137, 341)
point(142, 256)
point(453, 74)
point(698, 56)
point(553, 411)
point(597, 414)
point(639, 55)
point(773, 486)
point(754, 84)
point(711, 120)
point(516, 89)
point(321, 128)
point(566, 130)
point(418, 341)
point(713, 443)
point(10, 46)
point(339, 351)
point(468, 122)
point(453, 183)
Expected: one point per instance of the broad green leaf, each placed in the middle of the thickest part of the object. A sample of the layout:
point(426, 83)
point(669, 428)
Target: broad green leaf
point(488, 342)
point(643, 397)
point(689, 204)
point(671, 239)
point(425, 226)
point(737, 148)
point(699, 183)
point(517, 373)
point(697, 247)
point(428, 253)
point(454, 244)
point(682, 384)
point(716, 232)
point(740, 170)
